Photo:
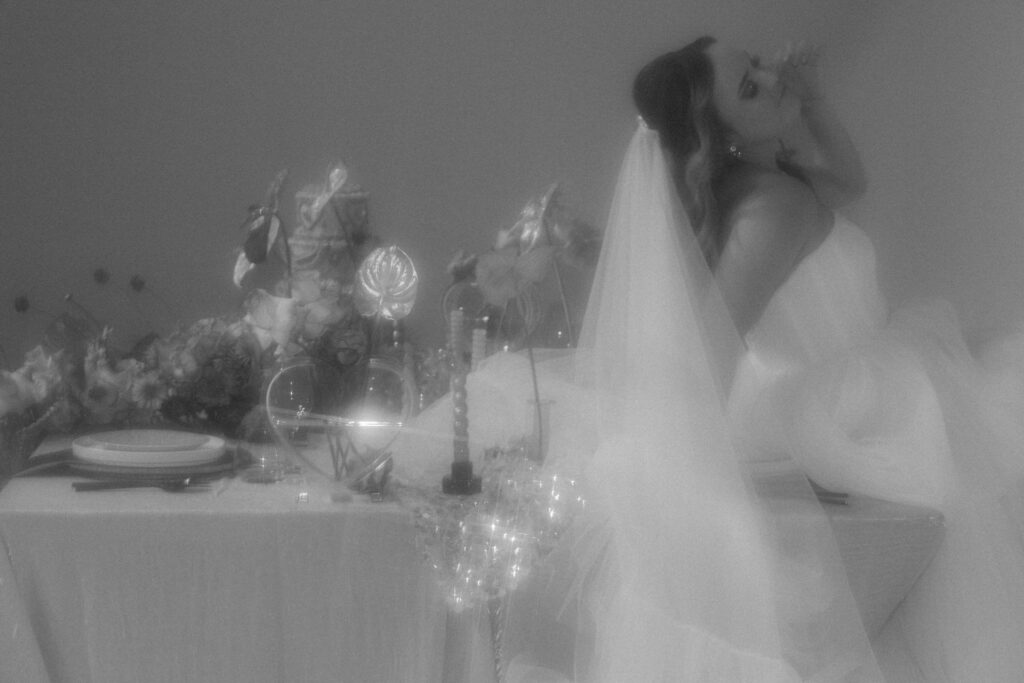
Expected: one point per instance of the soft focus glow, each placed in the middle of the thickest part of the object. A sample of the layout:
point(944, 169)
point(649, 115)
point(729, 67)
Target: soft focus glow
point(484, 546)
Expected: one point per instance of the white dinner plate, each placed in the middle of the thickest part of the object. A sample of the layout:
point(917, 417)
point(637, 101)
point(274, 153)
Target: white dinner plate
point(148, 448)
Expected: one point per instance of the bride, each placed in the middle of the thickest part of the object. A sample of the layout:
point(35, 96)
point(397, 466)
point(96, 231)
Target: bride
point(885, 404)
point(680, 571)
point(736, 322)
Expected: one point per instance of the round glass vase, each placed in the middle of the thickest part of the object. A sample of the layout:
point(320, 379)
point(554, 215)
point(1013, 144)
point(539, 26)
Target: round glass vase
point(298, 397)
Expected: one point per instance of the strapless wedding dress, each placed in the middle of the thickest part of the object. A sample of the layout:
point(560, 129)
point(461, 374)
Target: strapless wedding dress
point(893, 405)
point(867, 401)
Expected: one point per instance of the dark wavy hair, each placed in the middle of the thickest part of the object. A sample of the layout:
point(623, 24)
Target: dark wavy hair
point(673, 94)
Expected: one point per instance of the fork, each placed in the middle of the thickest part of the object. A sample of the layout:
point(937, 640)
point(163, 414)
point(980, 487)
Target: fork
point(171, 485)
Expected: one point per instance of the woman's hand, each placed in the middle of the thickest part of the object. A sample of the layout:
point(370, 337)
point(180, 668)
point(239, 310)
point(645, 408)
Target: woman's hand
point(797, 66)
point(836, 174)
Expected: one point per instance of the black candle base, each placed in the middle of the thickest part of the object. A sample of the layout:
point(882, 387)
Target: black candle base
point(461, 482)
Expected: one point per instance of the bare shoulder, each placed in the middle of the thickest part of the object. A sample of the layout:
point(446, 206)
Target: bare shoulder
point(776, 207)
point(772, 225)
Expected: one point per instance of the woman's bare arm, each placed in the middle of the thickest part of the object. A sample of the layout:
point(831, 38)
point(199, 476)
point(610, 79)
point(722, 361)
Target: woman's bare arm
point(836, 172)
point(839, 179)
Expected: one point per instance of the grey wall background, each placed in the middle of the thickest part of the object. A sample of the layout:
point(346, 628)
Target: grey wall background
point(134, 134)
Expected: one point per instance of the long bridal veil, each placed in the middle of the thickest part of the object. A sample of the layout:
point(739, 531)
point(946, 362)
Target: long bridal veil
point(687, 566)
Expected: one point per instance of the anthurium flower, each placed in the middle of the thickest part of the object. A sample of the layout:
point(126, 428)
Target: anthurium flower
point(242, 266)
point(263, 233)
point(263, 230)
point(503, 274)
point(386, 284)
point(271, 318)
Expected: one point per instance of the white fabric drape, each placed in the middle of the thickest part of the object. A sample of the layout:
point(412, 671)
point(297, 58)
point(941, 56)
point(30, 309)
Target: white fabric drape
point(678, 571)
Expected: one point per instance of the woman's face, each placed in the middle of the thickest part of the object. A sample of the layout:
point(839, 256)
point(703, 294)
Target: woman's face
point(749, 97)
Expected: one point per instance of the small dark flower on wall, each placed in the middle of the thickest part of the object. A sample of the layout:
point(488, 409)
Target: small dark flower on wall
point(21, 303)
point(137, 283)
point(101, 276)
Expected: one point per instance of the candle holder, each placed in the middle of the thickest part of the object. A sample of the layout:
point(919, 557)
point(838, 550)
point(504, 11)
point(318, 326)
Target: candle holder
point(461, 481)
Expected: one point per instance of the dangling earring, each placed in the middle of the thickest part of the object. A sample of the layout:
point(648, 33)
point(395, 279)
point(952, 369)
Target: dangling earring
point(735, 152)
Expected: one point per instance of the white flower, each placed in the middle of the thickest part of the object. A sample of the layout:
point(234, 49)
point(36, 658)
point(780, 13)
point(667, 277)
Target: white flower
point(306, 286)
point(271, 318)
point(321, 314)
point(43, 369)
point(12, 394)
point(32, 383)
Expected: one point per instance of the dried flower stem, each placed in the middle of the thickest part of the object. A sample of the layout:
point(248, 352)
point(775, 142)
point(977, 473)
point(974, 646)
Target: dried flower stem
point(561, 290)
point(70, 299)
point(538, 412)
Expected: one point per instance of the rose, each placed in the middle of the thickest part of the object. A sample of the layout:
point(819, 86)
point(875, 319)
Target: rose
point(271, 318)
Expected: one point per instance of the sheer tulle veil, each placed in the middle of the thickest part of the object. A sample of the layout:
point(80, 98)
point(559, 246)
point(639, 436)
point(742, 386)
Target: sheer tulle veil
point(681, 569)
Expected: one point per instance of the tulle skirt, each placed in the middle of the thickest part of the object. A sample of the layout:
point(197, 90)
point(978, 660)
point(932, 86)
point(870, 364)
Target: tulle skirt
point(677, 570)
point(912, 416)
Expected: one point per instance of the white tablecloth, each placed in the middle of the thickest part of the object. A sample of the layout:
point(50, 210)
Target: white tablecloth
point(884, 547)
point(243, 583)
point(258, 583)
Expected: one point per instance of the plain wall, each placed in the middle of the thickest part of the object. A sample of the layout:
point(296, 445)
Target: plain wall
point(134, 134)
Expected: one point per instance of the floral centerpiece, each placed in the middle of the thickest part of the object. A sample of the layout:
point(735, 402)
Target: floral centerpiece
point(500, 289)
point(207, 374)
point(504, 285)
point(301, 286)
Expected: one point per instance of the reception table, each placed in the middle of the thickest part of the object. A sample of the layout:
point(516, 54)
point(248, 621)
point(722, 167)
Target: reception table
point(288, 582)
point(884, 547)
point(239, 582)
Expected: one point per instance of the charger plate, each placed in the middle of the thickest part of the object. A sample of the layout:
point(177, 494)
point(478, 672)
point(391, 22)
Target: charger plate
point(148, 448)
point(220, 467)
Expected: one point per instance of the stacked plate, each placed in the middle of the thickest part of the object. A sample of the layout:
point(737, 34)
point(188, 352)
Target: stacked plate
point(155, 452)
